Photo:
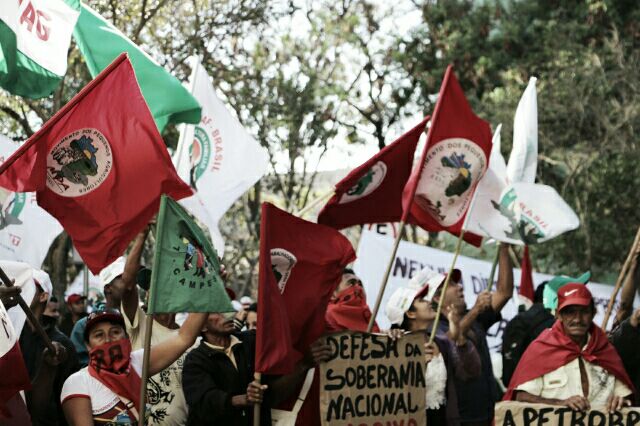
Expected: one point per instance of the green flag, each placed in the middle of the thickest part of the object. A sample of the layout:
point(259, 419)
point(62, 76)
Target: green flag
point(100, 43)
point(185, 268)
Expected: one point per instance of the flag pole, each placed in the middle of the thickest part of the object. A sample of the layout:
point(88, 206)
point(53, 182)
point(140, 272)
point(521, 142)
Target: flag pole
point(623, 274)
point(493, 267)
point(182, 142)
point(256, 407)
point(383, 286)
point(446, 284)
point(145, 367)
point(315, 202)
point(30, 316)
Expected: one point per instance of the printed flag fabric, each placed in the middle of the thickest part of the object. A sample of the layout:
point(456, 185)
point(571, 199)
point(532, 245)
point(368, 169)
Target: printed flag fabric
point(12, 369)
point(217, 157)
point(523, 160)
point(26, 230)
point(372, 193)
point(526, 293)
point(99, 166)
point(34, 41)
point(185, 275)
point(455, 157)
point(301, 263)
point(100, 43)
point(23, 275)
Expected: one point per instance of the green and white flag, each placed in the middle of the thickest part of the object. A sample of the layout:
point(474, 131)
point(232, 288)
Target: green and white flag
point(100, 43)
point(34, 41)
point(185, 275)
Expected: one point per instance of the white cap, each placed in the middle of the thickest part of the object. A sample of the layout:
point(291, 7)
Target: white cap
point(236, 305)
point(42, 278)
point(246, 300)
point(112, 271)
point(424, 284)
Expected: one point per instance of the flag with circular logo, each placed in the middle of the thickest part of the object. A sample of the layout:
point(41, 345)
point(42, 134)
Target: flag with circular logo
point(455, 157)
point(301, 263)
point(185, 275)
point(99, 166)
point(372, 193)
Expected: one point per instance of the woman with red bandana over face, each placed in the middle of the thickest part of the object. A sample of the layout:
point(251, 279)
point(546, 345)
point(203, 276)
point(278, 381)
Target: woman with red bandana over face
point(107, 391)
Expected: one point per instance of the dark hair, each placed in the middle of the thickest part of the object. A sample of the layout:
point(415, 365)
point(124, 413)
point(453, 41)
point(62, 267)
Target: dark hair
point(53, 299)
point(537, 297)
point(253, 308)
point(405, 319)
point(348, 271)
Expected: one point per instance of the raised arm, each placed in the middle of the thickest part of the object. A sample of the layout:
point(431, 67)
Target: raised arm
point(130, 298)
point(165, 353)
point(504, 290)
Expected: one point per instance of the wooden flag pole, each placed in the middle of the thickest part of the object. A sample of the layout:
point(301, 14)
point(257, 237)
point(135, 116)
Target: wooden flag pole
point(27, 310)
point(619, 281)
point(256, 407)
point(376, 307)
point(148, 324)
point(445, 285)
point(315, 202)
point(493, 267)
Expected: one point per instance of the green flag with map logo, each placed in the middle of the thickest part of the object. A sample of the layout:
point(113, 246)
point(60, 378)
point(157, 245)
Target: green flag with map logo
point(185, 276)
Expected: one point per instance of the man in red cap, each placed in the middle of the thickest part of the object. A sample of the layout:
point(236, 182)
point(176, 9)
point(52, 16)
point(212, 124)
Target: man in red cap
point(77, 309)
point(581, 369)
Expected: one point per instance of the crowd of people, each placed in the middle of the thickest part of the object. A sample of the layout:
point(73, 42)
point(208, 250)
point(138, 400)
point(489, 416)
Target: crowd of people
point(201, 366)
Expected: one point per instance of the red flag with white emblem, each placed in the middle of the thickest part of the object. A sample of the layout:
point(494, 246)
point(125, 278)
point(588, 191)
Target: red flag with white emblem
point(301, 263)
point(98, 165)
point(12, 369)
point(455, 157)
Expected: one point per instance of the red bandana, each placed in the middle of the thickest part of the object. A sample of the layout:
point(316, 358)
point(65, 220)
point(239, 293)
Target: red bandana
point(349, 311)
point(557, 349)
point(109, 364)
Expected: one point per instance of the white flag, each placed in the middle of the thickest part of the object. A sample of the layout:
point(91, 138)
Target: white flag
point(26, 230)
point(217, 157)
point(23, 276)
point(524, 154)
point(518, 213)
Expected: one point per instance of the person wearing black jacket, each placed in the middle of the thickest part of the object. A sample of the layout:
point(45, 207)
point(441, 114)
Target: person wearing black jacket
point(217, 377)
point(626, 339)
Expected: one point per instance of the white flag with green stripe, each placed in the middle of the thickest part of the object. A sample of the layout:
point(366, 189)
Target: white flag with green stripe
point(34, 40)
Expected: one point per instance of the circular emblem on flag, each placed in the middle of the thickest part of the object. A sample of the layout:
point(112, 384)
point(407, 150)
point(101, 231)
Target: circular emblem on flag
point(452, 169)
point(79, 163)
point(11, 205)
point(524, 222)
point(366, 184)
point(282, 262)
point(199, 154)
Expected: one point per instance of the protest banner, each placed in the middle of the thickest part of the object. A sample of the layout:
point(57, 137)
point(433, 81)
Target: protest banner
point(372, 380)
point(510, 413)
point(411, 258)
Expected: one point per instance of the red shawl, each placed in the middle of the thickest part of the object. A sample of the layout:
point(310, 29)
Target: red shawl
point(349, 311)
point(553, 349)
point(110, 364)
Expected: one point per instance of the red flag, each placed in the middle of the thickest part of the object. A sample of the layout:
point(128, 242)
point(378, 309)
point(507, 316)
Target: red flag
point(12, 369)
point(301, 263)
point(526, 292)
point(99, 166)
point(372, 193)
point(455, 157)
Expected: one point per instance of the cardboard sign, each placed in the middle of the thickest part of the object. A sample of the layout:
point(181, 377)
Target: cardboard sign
point(371, 380)
point(521, 414)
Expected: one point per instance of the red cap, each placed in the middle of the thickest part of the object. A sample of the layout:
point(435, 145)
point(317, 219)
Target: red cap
point(75, 297)
point(109, 315)
point(574, 294)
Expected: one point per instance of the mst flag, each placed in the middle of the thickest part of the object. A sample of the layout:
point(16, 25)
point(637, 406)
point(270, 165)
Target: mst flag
point(455, 158)
point(218, 158)
point(300, 265)
point(26, 230)
point(34, 40)
point(523, 160)
point(372, 193)
point(12, 369)
point(185, 275)
point(98, 165)
point(100, 43)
